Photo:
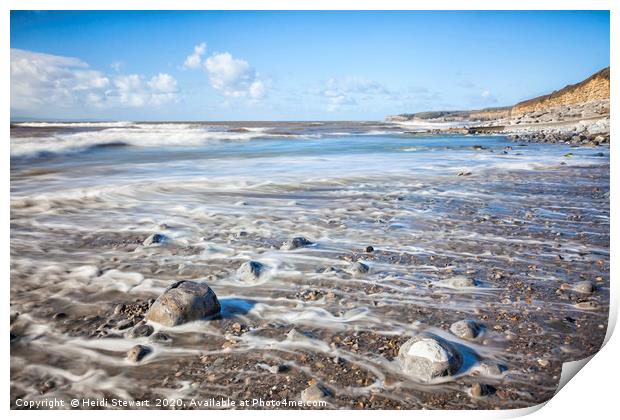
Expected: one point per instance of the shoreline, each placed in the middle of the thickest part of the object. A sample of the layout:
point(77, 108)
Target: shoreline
point(586, 129)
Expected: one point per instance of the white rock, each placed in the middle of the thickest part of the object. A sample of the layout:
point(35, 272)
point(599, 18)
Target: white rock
point(426, 357)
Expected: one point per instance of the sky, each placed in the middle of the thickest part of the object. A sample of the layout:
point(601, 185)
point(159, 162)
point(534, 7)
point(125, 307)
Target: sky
point(307, 65)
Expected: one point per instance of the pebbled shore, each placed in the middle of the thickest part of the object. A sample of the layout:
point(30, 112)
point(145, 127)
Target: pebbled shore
point(506, 248)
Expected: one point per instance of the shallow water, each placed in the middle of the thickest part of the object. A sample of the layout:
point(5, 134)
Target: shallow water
point(521, 219)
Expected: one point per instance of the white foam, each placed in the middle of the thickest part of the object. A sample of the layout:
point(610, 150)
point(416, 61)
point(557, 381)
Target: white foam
point(137, 135)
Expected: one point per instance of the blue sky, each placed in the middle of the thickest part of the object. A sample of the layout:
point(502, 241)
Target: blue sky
point(293, 65)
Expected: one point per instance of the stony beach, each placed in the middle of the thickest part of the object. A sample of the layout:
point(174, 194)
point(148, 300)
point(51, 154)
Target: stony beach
point(381, 270)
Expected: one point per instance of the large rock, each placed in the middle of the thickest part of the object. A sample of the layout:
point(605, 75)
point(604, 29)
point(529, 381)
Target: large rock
point(184, 301)
point(294, 243)
point(250, 271)
point(466, 329)
point(426, 357)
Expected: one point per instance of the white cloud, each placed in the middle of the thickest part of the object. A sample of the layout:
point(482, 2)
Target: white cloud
point(234, 77)
point(485, 93)
point(194, 60)
point(43, 81)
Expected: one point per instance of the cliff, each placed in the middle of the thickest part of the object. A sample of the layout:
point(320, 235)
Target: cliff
point(576, 114)
point(594, 88)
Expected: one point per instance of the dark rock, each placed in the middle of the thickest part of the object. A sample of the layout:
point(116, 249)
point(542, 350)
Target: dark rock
point(160, 337)
point(142, 330)
point(369, 249)
point(154, 239)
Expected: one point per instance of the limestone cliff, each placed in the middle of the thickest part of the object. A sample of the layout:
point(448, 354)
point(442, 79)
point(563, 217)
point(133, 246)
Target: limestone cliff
point(594, 88)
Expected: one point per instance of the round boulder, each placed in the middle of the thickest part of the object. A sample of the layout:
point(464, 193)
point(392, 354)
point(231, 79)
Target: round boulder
point(427, 357)
point(182, 302)
point(466, 329)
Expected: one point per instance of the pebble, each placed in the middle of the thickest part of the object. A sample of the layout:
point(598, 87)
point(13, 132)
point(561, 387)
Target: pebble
point(478, 390)
point(160, 337)
point(124, 324)
point(313, 393)
point(137, 353)
point(250, 271)
point(278, 368)
point(142, 330)
point(466, 329)
point(584, 287)
point(294, 243)
point(457, 282)
point(369, 249)
point(154, 239)
point(358, 268)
